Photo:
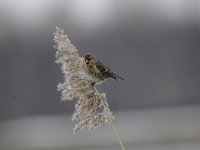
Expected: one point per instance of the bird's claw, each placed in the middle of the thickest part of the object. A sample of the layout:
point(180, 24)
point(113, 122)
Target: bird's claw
point(93, 83)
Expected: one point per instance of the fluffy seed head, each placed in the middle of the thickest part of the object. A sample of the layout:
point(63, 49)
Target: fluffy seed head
point(89, 110)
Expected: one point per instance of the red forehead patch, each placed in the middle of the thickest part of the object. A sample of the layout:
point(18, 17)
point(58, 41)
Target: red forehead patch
point(88, 56)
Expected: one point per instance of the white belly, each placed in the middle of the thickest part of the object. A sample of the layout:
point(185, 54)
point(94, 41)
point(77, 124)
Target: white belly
point(91, 78)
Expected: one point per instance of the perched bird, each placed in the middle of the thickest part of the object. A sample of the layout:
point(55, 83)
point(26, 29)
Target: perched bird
point(96, 71)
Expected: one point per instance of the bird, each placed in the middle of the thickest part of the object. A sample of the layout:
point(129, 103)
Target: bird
point(96, 71)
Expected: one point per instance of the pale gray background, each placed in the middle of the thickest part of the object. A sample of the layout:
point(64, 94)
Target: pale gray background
point(154, 45)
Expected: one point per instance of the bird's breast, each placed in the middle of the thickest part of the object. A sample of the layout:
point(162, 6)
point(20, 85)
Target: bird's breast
point(93, 75)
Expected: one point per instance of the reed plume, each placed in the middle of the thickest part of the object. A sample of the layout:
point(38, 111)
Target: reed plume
point(91, 109)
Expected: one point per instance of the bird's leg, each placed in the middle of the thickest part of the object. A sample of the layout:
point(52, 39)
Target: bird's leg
point(93, 83)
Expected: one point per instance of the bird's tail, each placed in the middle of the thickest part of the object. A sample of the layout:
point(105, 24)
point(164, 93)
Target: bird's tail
point(115, 77)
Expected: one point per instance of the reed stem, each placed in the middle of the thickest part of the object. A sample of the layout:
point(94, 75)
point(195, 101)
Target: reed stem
point(117, 135)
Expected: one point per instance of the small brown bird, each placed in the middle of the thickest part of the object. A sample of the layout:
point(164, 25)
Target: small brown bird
point(97, 71)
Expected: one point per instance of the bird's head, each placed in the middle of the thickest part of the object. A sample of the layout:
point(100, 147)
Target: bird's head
point(90, 59)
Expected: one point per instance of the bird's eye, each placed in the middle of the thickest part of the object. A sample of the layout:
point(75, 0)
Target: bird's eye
point(87, 62)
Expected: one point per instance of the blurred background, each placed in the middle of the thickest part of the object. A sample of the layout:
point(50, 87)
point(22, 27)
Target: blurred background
point(153, 44)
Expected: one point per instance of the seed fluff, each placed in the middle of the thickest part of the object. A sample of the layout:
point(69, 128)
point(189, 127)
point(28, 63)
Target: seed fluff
point(91, 109)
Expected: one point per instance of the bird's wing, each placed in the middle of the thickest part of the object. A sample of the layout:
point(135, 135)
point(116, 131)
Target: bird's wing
point(102, 67)
point(107, 72)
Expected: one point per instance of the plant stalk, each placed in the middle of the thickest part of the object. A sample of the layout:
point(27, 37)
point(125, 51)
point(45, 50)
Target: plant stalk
point(117, 135)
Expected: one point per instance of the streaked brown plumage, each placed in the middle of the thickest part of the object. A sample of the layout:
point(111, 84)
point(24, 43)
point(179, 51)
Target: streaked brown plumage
point(97, 71)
